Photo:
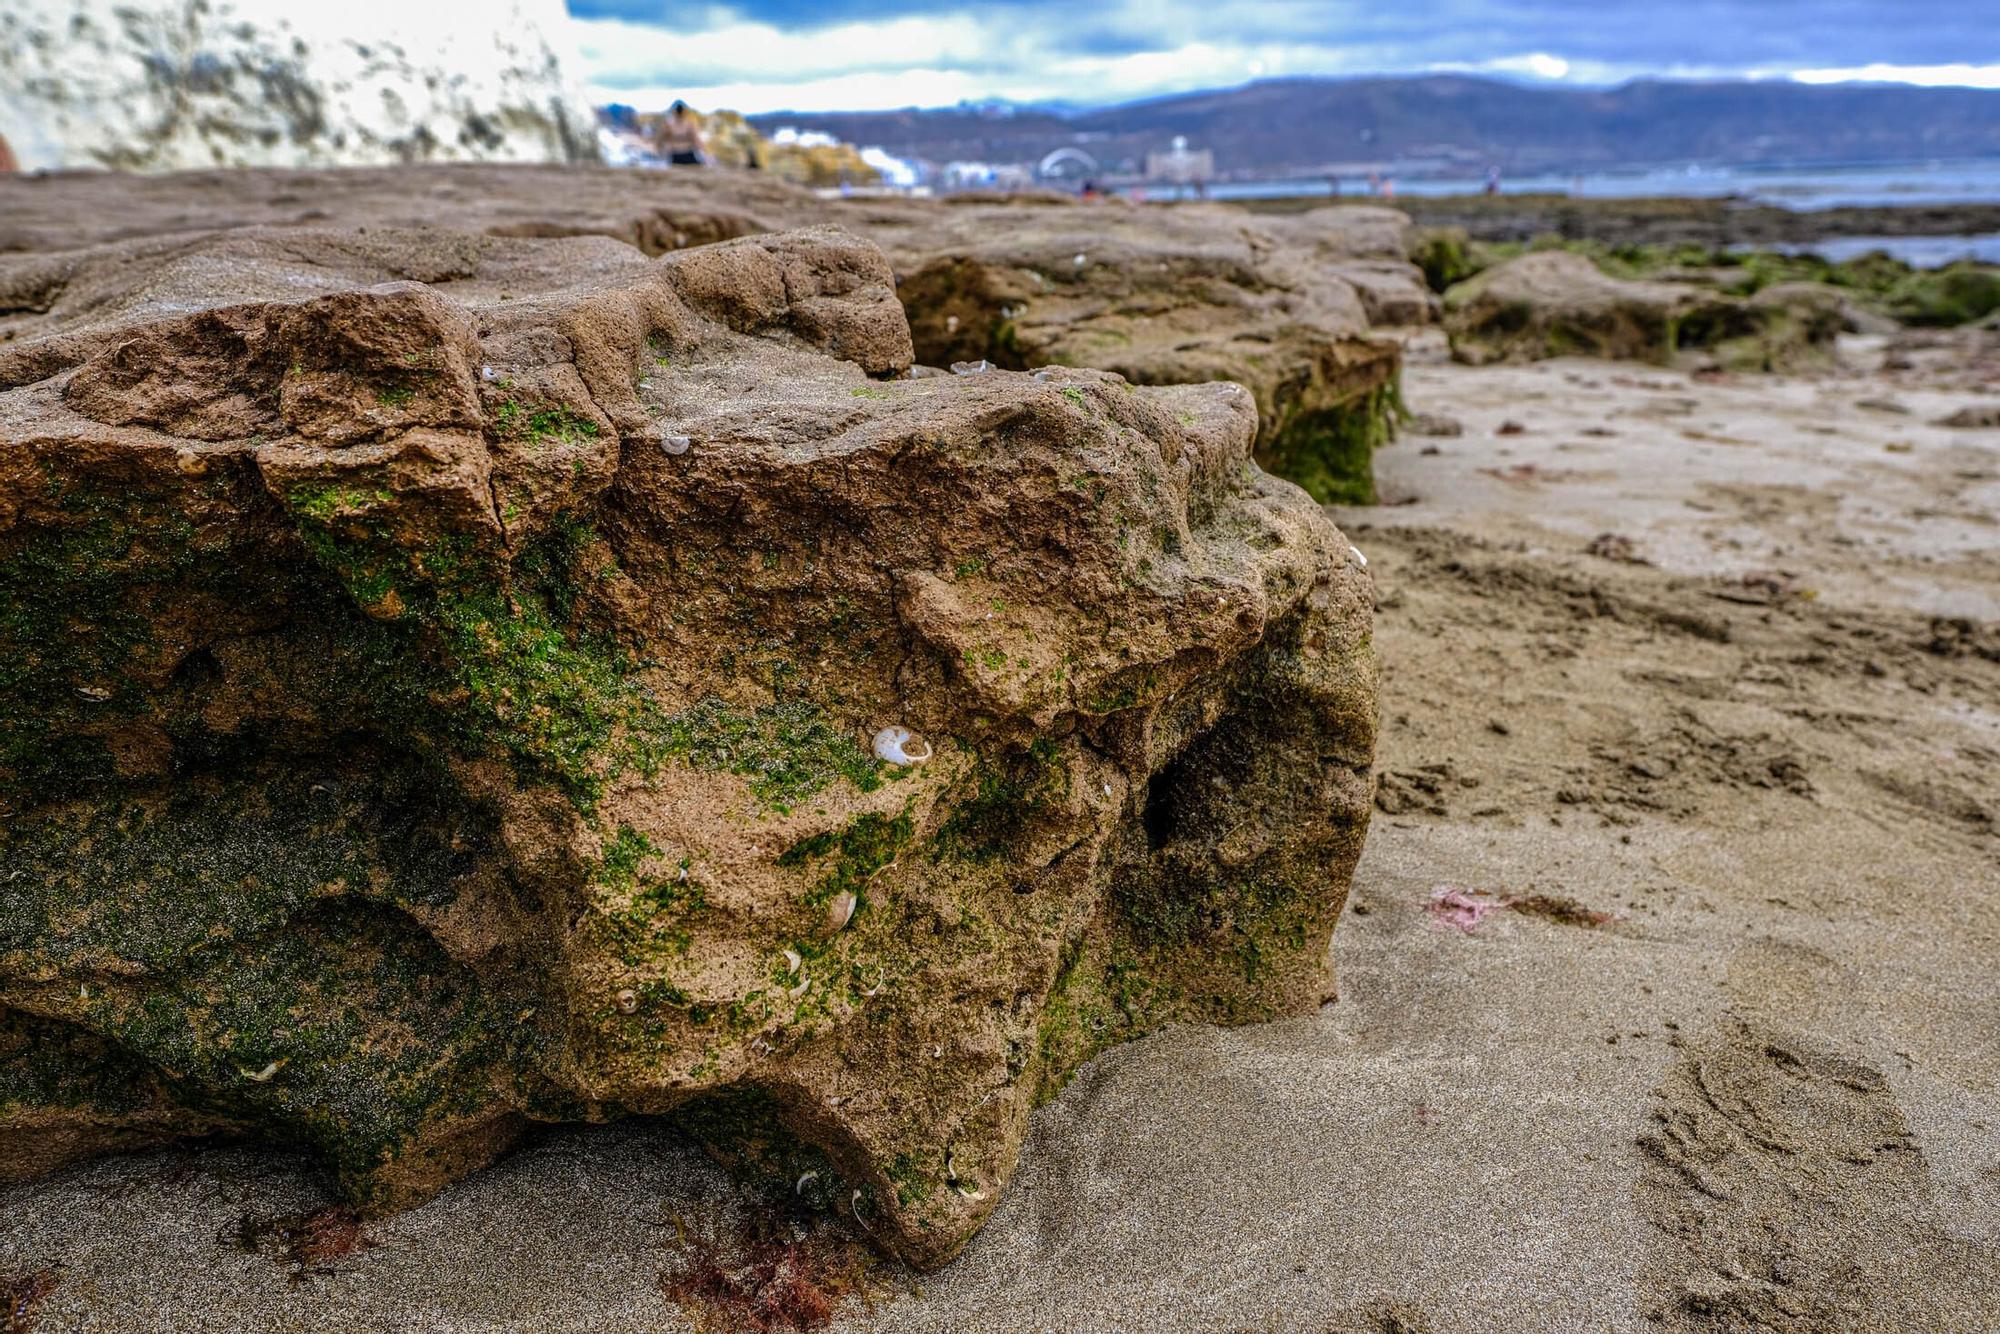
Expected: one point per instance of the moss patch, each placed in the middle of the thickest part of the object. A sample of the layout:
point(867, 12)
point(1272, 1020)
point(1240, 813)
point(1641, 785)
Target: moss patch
point(851, 855)
point(789, 750)
point(1331, 452)
point(1008, 795)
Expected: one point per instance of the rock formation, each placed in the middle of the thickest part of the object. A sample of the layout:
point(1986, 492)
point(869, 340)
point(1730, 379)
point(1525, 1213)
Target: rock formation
point(1553, 303)
point(1283, 305)
point(161, 84)
point(1179, 295)
point(454, 681)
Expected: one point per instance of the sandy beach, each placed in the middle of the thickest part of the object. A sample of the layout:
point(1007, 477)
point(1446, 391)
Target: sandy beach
point(1666, 989)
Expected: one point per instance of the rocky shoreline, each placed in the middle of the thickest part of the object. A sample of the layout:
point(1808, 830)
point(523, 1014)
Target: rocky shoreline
point(497, 650)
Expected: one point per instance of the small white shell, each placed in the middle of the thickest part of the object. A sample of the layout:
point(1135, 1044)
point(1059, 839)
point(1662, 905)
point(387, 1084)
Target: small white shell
point(1359, 559)
point(951, 1175)
point(1080, 261)
point(628, 1001)
point(676, 444)
point(488, 374)
point(841, 910)
point(900, 746)
point(266, 1075)
point(798, 992)
point(951, 324)
point(799, 1187)
point(792, 960)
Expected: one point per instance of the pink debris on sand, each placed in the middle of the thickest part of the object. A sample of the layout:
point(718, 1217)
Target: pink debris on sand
point(1456, 908)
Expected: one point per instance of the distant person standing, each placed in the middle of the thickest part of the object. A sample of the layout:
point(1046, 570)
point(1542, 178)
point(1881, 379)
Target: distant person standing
point(678, 139)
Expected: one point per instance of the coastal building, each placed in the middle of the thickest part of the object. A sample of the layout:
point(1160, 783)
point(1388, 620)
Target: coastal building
point(1181, 165)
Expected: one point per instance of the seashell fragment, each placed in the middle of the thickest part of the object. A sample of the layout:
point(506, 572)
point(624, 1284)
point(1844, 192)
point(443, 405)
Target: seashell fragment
point(676, 444)
point(841, 910)
point(900, 746)
point(628, 1001)
point(95, 694)
point(792, 960)
point(266, 1075)
point(488, 374)
point(951, 1177)
point(1359, 559)
point(798, 992)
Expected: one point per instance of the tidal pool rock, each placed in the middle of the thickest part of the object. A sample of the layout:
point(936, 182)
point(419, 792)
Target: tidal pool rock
point(398, 746)
point(1554, 303)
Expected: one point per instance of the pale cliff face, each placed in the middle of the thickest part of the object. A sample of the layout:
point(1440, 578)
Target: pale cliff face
point(207, 83)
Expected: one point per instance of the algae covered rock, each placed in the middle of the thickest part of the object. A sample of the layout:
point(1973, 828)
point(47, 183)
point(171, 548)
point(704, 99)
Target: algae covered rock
point(1554, 303)
point(568, 685)
point(1174, 296)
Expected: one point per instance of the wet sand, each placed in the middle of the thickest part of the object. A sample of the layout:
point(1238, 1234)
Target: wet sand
point(1669, 990)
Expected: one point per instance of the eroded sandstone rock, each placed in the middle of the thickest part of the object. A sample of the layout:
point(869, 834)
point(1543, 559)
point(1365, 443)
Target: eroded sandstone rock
point(440, 685)
point(1287, 306)
point(1555, 303)
point(1180, 295)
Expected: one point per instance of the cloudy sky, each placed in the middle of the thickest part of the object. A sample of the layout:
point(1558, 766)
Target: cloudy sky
point(772, 55)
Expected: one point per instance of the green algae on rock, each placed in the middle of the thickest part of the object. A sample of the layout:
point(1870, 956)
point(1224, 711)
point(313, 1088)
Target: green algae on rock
point(385, 771)
point(1553, 303)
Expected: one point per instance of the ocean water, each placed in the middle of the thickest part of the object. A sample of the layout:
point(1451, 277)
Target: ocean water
point(1953, 182)
point(1948, 182)
point(1923, 252)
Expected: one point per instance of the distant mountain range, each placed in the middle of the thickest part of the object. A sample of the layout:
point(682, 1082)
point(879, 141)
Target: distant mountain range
point(1305, 127)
